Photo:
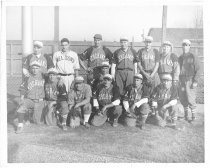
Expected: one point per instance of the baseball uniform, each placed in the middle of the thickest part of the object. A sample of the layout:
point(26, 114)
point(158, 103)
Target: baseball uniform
point(66, 63)
point(148, 60)
point(95, 56)
point(190, 71)
point(124, 61)
point(106, 96)
point(33, 89)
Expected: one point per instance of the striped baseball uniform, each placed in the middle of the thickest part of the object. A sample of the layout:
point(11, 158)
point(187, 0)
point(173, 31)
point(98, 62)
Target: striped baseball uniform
point(66, 63)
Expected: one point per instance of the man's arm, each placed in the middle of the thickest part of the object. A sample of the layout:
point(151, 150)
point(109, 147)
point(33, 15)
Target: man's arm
point(155, 69)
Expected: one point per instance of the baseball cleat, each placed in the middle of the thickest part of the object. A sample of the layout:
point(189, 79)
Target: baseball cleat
point(87, 125)
point(115, 123)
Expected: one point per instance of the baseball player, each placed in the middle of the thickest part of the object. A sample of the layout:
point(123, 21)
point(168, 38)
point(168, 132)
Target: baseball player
point(124, 61)
point(107, 101)
point(56, 99)
point(67, 64)
point(95, 55)
point(79, 99)
point(37, 56)
point(135, 100)
point(169, 62)
point(189, 76)
point(149, 63)
point(164, 99)
point(32, 94)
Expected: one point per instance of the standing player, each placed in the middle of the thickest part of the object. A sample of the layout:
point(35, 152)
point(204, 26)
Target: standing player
point(169, 62)
point(135, 100)
point(107, 101)
point(95, 55)
point(67, 63)
point(189, 76)
point(32, 94)
point(37, 56)
point(124, 61)
point(149, 63)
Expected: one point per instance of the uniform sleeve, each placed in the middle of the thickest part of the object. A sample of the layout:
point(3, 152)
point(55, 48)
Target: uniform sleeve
point(136, 58)
point(24, 87)
point(88, 91)
point(197, 69)
point(76, 64)
point(154, 95)
point(71, 97)
point(139, 55)
point(157, 55)
point(26, 62)
point(116, 93)
point(55, 59)
point(85, 55)
point(127, 93)
point(176, 68)
point(174, 93)
point(50, 63)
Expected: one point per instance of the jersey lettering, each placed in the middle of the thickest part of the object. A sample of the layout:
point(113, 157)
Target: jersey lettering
point(35, 83)
point(97, 56)
point(65, 57)
point(125, 56)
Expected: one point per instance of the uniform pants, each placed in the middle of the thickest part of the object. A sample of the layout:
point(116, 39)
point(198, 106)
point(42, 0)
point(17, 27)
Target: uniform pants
point(171, 112)
point(153, 82)
point(142, 113)
point(67, 81)
point(123, 79)
point(36, 106)
point(187, 96)
point(50, 112)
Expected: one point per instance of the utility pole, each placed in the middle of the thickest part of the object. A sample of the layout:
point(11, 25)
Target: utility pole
point(164, 23)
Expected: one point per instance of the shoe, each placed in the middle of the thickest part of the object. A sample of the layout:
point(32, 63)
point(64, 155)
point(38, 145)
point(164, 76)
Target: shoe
point(19, 130)
point(115, 123)
point(87, 125)
point(64, 127)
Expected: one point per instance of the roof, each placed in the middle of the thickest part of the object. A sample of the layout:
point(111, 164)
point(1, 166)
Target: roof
point(176, 35)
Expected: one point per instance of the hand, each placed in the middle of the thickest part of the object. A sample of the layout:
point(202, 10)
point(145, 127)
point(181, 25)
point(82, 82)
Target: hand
point(103, 110)
point(77, 106)
point(89, 69)
point(60, 82)
point(194, 85)
point(147, 75)
point(132, 108)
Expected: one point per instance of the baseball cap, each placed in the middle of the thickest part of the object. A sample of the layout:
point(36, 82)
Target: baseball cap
point(38, 44)
point(52, 71)
point(98, 36)
point(167, 43)
point(139, 76)
point(105, 64)
point(107, 76)
point(186, 41)
point(148, 39)
point(166, 76)
point(35, 63)
point(79, 79)
point(124, 38)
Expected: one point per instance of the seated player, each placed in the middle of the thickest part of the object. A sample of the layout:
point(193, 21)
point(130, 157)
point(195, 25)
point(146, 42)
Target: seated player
point(32, 95)
point(135, 100)
point(107, 101)
point(164, 99)
point(79, 100)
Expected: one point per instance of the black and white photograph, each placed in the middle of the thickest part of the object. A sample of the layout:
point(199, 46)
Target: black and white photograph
point(103, 82)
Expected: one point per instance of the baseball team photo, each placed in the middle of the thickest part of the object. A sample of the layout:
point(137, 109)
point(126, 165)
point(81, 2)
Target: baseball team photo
point(105, 84)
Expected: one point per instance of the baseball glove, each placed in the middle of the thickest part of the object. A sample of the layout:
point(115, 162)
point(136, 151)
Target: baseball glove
point(75, 113)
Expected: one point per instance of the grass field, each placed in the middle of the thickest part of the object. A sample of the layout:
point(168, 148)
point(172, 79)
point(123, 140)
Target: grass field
point(41, 144)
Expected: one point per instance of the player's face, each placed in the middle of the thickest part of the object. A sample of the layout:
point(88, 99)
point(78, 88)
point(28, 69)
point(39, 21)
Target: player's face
point(78, 86)
point(137, 82)
point(185, 48)
point(166, 49)
point(52, 77)
point(97, 42)
point(105, 70)
point(124, 44)
point(64, 46)
point(166, 83)
point(107, 82)
point(148, 44)
point(35, 70)
point(37, 50)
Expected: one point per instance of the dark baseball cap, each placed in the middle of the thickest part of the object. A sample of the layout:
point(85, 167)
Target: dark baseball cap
point(98, 36)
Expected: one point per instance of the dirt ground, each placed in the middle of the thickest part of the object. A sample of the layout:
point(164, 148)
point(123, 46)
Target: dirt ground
point(44, 144)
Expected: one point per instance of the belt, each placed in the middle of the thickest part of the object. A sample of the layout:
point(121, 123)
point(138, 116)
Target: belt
point(37, 100)
point(65, 74)
point(148, 71)
point(126, 69)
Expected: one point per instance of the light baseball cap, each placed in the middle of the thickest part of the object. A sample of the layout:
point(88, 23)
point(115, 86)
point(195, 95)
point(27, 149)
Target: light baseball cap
point(148, 39)
point(166, 76)
point(98, 36)
point(35, 63)
point(124, 38)
point(79, 79)
point(186, 41)
point(38, 44)
point(107, 76)
point(52, 71)
point(139, 76)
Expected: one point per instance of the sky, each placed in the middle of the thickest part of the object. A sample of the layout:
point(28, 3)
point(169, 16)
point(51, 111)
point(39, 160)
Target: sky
point(82, 22)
